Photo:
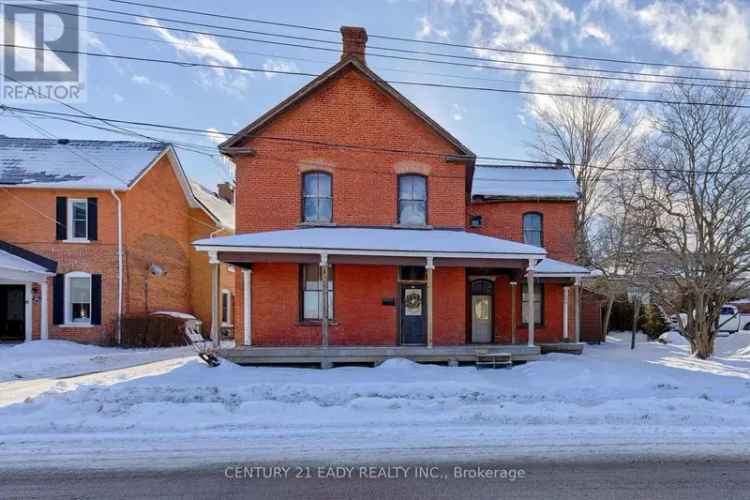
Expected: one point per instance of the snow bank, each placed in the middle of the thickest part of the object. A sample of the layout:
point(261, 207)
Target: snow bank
point(613, 397)
point(61, 358)
point(673, 337)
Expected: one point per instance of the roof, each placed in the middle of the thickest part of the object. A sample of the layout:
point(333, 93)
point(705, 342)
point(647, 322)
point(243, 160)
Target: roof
point(517, 182)
point(217, 207)
point(75, 164)
point(328, 75)
point(557, 268)
point(22, 259)
point(374, 241)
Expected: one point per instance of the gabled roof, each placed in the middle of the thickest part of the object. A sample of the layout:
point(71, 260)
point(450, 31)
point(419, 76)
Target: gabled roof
point(327, 76)
point(217, 207)
point(75, 164)
point(523, 182)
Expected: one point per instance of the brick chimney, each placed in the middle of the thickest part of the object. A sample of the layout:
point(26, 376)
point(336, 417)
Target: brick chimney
point(226, 191)
point(354, 40)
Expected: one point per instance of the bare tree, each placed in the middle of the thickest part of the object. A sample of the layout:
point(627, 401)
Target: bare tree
point(588, 133)
point(694, 204)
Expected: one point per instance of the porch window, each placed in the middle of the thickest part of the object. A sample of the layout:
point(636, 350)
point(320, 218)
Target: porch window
point(78, 293)
point(412, 200)
point(317, 197)
point(532, 229)
point(538, 303)
point(226, 308)
point(312, 286)
point(78, 219)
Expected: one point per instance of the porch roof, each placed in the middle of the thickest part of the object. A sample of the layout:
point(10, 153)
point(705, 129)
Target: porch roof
point(374, 241)
point(552, 268)
point(15, 267)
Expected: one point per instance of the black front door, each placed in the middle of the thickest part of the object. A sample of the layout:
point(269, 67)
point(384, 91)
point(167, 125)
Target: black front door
point(413, 314)
point(12, 312)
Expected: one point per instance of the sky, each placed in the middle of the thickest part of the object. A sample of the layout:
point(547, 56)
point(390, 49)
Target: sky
point(694, 32)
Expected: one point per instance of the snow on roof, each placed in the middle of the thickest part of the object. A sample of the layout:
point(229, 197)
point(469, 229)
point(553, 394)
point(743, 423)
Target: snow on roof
point(74, 164)
point(559, 268)
point(376, 241)
point(213, 203)
point(496, 181)
point(16, 263)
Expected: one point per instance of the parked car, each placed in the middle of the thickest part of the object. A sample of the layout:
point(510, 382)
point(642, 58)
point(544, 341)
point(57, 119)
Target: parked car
point(732, 320)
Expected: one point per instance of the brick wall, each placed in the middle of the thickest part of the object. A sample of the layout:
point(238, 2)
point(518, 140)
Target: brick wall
point(34, 229)
point(157, 230)
point(504, 219)
point(349, 110)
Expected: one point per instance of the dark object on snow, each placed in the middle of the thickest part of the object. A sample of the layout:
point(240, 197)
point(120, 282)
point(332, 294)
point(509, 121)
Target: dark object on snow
point(201, 346)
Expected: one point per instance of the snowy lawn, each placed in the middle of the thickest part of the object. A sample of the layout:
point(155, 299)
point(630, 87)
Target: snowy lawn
point(655, 400)
point(60, 358)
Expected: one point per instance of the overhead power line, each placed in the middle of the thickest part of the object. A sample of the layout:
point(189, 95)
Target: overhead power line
point(354, 147)
point(392, 82)
point(444, 44)
point(524, 65)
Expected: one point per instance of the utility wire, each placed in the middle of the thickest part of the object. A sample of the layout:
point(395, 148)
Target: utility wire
point(443, 44)
point(672, 78)
point(354, 147)
point(392, 82)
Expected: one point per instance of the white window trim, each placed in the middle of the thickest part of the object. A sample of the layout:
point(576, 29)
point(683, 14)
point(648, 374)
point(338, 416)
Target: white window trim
point(69, 236)
point(229, 307)
point(69, 305)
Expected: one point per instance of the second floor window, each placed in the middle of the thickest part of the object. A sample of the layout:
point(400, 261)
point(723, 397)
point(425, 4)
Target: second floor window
point(78, 222)
point(412, 200)
point(317, 197)
point(532, 229)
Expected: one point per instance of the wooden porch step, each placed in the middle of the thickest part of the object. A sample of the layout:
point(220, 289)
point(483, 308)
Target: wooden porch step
point(487, 358)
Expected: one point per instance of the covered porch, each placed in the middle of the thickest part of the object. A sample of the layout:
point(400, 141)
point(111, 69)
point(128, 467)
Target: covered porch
point(23, 283)
point(365, 294)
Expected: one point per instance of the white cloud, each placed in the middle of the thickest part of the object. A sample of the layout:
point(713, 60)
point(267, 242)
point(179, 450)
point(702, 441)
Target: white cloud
point(272, 65)
point(591, 30)
point(214, 136)
point(207, 50)
point(457, 112)
point(428, 30)
point(118, 98)
point(713, 33)
point(145, 81)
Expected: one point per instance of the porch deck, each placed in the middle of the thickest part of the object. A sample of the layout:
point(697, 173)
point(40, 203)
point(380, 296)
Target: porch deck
point(342, 355)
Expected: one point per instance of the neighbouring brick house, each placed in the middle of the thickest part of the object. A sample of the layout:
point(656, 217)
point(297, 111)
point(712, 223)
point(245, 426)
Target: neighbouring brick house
point(69, 206)
point(362, 222)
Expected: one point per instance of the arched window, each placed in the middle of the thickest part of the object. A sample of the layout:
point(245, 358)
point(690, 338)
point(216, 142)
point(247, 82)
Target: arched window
point(481, 287)
point(412, 199)
point(532, 229)
point(317, 197)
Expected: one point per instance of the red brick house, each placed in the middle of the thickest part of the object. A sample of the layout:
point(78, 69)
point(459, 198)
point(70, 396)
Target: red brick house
point(91, 230)
point(362, 222)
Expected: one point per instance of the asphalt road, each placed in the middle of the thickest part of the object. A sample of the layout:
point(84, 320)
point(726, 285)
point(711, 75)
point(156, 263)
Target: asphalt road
point(624, 479)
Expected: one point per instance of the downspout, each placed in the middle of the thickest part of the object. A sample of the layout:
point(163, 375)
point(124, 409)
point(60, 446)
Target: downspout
point(118, 334)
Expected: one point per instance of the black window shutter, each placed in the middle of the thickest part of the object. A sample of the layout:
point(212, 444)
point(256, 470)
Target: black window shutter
point(93, 218)
point(61, 231)
point(96, 299)
point(58, 299)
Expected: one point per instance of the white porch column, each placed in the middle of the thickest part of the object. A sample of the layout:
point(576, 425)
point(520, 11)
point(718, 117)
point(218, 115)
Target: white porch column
point(215, 319)
point(247, 307)
point(324, 299)
point(513, 322)
point(28, 320)
point(566, 292)
point(429, 268)
point(44, 319)
point(578, 310)
point(530, 305)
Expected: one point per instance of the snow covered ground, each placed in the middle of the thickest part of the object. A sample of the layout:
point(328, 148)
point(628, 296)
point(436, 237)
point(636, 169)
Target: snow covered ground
point(60, 358)
point(656, 400)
